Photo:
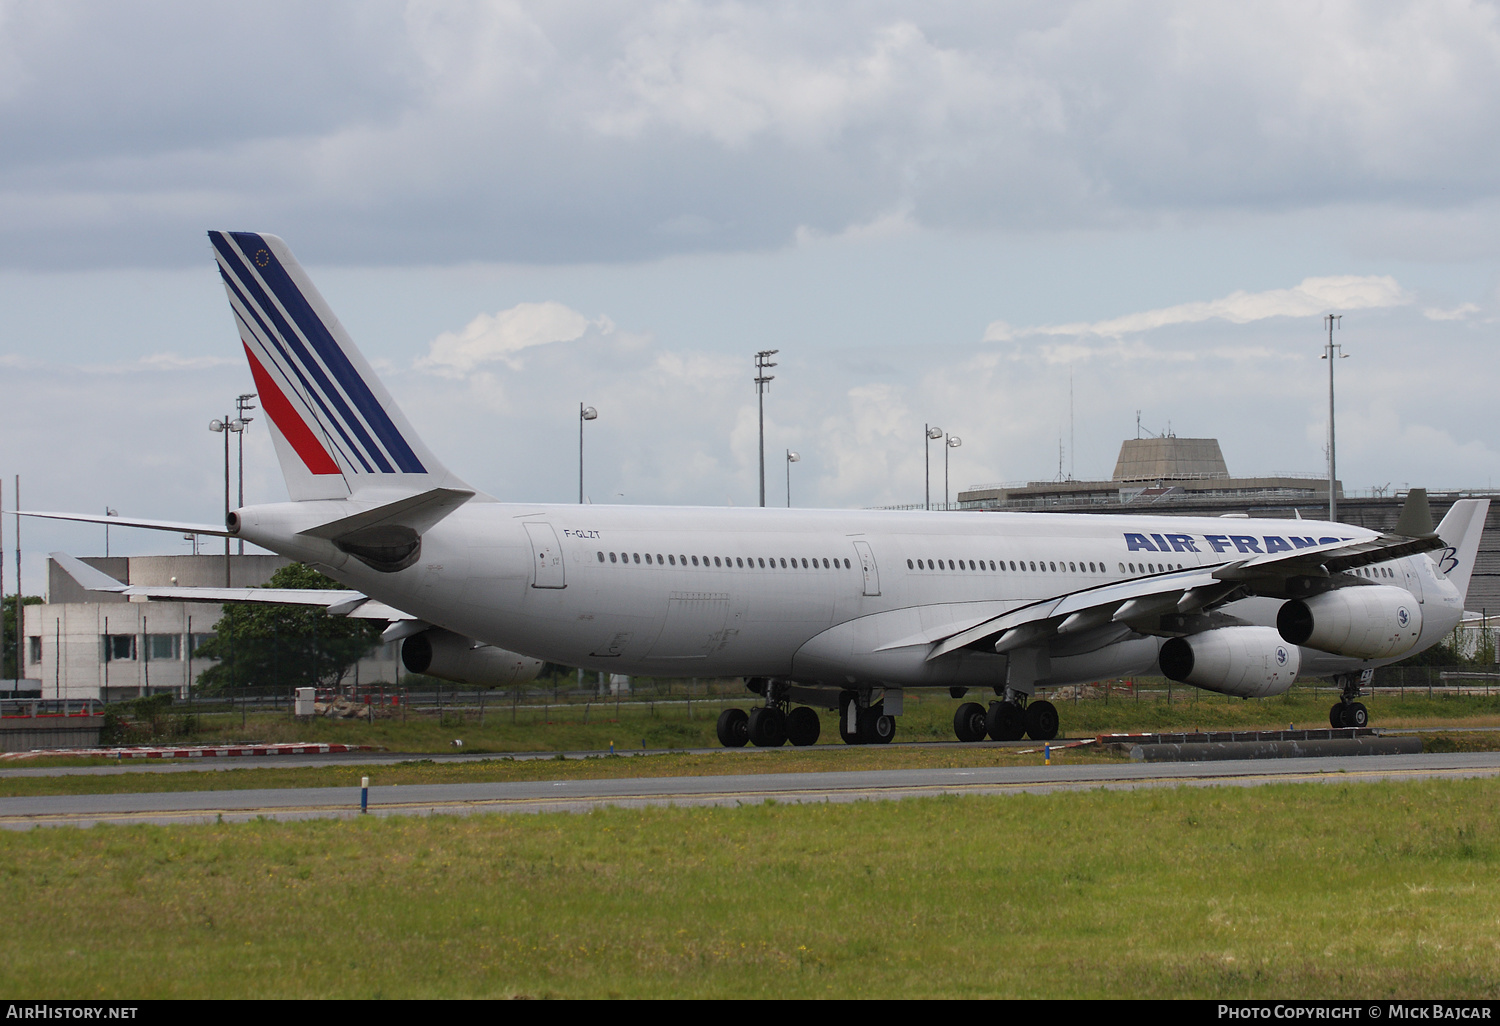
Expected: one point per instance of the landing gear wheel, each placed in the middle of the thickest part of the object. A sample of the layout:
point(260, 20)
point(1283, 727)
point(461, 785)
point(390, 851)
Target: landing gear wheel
point(969, 723)
point(849, 737)
point(1336, 716)
point(1356, 715)
point(733, 728)
point(875, 727)
point(803, 726)
point(1041, 721)
point(767, 727)
point(1006, 721)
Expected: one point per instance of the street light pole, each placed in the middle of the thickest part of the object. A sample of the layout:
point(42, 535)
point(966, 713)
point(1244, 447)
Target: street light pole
point(584, 413)
point(791, 457)
point(929, 433)
point(762, 382)
point(949, 442)
point(1332, 320)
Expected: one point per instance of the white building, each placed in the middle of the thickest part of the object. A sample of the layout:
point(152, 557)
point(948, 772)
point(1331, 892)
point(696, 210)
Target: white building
point(83, 644)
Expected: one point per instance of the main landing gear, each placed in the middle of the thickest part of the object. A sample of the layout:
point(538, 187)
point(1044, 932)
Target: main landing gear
point(1348, 711)
point(774, 724)
point(770, 726)
point(1010, 720)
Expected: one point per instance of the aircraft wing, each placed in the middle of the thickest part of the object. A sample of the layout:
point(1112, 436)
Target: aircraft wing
point(337, 601)
point(1144, 602)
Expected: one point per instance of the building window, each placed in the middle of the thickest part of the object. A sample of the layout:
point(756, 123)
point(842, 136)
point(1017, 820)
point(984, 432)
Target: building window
point(117, 647)
point(198, 641)
point(34, 649)
point(164, 646)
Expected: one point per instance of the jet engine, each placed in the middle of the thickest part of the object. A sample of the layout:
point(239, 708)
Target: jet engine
point(449, 656)
point(1367, 622)
point(1250, 662)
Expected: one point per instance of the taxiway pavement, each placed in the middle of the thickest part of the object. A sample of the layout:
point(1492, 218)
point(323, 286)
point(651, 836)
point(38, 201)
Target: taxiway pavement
point(586, 795)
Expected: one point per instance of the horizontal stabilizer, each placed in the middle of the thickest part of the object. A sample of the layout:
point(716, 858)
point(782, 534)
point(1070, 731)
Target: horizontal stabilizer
point(415, 512)
point(337, 601)
point(88, 578)
point(177, 526)
point(388, 538)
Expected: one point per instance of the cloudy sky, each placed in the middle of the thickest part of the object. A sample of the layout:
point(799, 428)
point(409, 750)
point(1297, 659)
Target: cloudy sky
point(1021, 222)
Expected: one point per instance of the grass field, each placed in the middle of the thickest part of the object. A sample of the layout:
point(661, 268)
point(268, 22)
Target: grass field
point(1358, 890)
point(632, 726)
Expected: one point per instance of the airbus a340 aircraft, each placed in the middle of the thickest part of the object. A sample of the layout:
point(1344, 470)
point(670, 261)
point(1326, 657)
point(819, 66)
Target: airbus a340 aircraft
point(827, 608)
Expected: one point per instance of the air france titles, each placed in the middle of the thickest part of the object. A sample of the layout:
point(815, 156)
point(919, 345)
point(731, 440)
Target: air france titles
point(1251, 544)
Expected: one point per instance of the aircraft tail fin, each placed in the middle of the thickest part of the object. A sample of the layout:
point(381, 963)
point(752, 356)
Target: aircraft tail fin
point(336, 428)
point(1460, 532)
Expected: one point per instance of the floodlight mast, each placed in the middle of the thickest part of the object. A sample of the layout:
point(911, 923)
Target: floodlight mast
point(584, 413)
point(791, 457)
point(226, 426)
point(242, 404)
point(950, 442)
point(762, 382)
point(1332, 320)
point(929, 435)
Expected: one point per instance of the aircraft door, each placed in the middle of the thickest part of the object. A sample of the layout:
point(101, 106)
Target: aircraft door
point(546, 555)
point(1413, 576)
point(867, 564)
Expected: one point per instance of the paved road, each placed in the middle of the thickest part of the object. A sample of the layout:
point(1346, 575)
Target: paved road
point(583, 795)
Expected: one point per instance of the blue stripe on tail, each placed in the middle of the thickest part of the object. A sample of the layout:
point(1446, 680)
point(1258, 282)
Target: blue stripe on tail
point(347, 384)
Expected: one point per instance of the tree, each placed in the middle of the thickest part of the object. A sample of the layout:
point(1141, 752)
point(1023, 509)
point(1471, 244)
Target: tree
point(9, 667)
point(289, 646)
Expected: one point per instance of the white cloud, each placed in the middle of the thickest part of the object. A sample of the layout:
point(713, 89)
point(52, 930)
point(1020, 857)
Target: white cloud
point(1457, 313)
point(176, 362)
point(1312, 297)
point(499, 337)
point(892, 224)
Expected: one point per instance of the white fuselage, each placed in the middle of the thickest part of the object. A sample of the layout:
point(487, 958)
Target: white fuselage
point(820, 596)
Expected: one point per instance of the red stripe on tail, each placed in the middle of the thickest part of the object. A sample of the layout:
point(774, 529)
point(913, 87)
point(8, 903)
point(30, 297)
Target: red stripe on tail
point(288, 421)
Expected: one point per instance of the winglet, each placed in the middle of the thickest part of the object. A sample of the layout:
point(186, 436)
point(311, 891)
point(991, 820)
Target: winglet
point(1415, 520)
